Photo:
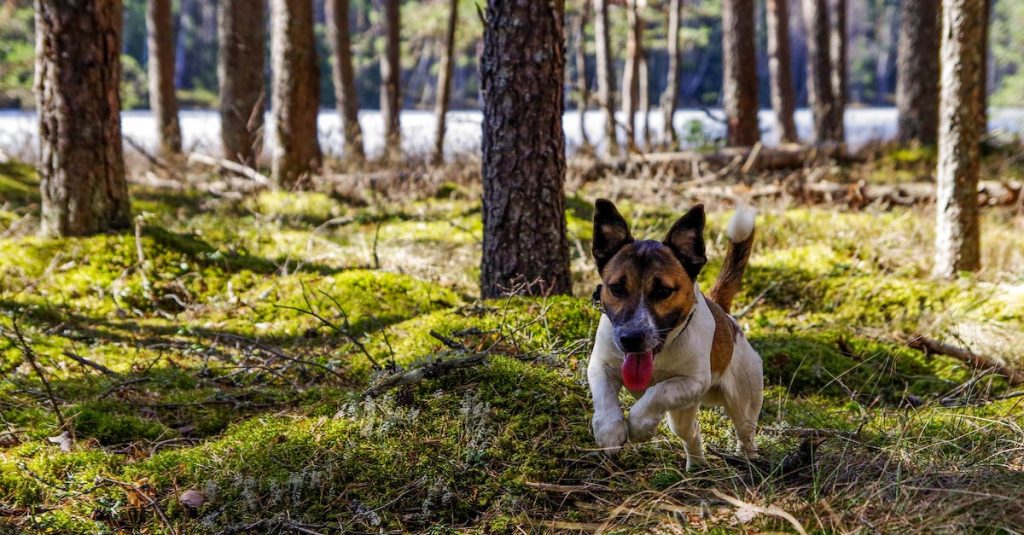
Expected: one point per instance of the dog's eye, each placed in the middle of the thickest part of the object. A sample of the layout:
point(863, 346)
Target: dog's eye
point(661, 292)
point(618, 289)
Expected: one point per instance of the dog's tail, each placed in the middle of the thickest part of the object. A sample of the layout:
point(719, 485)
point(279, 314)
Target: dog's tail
point(741, 240)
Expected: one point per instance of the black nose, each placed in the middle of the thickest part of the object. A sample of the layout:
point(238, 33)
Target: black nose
point(632, 341)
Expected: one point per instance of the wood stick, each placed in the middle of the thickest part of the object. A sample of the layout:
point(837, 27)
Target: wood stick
point(972, 359)
point(228, 165)
point(94, 365)
point(427, 371)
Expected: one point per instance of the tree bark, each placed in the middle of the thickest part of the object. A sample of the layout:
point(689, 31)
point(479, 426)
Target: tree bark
point(78, 75)
point(444, 81)
point(780, 69)
point(819, 73)
point(580, 50)
point(160, 42)
point(917, 83)
point(296, 83)
point(631, 73)
point(525, 248)
point(837, 56)
point(240, 71)
point(605, 75)
point(671, 94)
point(739, 69)
point(957, 235)
point(343, 75)
point(390, 80)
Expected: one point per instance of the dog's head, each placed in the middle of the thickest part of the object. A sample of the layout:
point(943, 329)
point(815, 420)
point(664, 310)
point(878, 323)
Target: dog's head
point(647, 286)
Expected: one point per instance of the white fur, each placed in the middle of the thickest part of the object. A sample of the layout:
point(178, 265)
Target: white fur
point(741, 225)
point(682, 381)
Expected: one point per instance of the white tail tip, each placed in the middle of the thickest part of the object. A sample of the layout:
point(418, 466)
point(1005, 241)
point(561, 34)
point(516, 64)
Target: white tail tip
point(741, 226)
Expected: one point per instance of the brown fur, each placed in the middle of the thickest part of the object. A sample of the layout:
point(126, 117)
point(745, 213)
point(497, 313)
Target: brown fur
point(728, 281)
point(724, 339)
point(641, 266)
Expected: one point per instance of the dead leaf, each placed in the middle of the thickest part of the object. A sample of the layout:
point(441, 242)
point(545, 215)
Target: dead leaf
point(63, 440)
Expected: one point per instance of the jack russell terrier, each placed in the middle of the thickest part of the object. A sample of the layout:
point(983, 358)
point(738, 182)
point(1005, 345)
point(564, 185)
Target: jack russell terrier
point(670, 345)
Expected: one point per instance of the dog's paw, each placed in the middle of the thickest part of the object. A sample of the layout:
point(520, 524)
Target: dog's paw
point(696, 463)
point(642, 427)
point(609, 432)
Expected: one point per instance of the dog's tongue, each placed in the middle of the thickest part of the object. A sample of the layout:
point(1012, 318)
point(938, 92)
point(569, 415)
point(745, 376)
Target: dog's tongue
point(637, 370)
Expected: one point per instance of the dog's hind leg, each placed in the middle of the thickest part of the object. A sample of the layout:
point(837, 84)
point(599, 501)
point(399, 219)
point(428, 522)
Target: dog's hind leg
point(743, 410)
point(684, 424)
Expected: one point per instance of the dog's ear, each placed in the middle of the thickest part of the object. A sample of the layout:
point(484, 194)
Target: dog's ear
point(686, 239)
point(611, 232)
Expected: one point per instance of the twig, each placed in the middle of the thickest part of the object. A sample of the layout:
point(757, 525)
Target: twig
point(752, 159)
point(157, 162)
point(756, 301)
point(94, 365)
point(452, 344)
point(228, 165)
point(981, 362)
point(30, 356)
point(427, 371)
point(565, 489)
point(278, 353)
point(770, 510)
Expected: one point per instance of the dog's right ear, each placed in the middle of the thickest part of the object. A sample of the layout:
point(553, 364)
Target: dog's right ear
point(611, 232)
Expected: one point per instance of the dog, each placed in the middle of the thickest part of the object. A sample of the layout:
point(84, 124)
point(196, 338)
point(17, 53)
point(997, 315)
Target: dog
point(670, 345)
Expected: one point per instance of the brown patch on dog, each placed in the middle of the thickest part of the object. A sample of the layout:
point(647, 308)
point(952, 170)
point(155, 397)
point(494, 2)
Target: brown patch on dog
point(724, 339)
point(647, 268)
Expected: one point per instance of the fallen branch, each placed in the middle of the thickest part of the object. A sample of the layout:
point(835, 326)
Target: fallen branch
point(972, 359)
point(30, 356)
point(770, 510)
point(94, 365)
point(228, 165)
point(430, 370)
point(277, 353)
point(565, 489)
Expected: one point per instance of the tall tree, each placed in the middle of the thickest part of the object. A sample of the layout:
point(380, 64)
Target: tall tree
point(240, 72)
point(296, 87)
point(671, 93)
point(824, 109)
point(605, 75)
point(390, 80)
point(444, 80)
point(160, 42)
point(739, 70)
point(522, 69)
point(917, 83)
point(78, 74)
point(580, 52)
point(343, 75)
point(957, 236)
point(631, 71)
point(779, 68)
point(837, 56)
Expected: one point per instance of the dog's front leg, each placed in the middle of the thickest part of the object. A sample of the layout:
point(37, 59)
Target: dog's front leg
point(609, 425)
point(649, 410)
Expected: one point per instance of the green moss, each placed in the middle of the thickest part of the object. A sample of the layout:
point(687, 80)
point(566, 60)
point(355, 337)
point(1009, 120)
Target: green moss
point(18, 184)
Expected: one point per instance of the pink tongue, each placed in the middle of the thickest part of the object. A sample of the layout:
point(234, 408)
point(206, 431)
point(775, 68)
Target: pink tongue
point(637, 370)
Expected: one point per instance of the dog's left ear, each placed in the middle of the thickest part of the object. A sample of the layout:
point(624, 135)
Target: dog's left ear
point(611, 232)
point(686, 239)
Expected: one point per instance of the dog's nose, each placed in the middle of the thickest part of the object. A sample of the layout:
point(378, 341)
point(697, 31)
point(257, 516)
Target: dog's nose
point(632, 341)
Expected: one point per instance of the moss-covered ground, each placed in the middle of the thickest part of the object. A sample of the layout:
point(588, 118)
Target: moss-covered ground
point(233, 341)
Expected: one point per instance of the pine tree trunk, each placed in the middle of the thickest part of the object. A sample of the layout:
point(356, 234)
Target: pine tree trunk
point(780, 69)
point(670, 95)
point(837, 56)
point(296, 82)
point(580, 50)
point(78, 74)
point(240, 71)
point(739, 69)
point(605, 75)
point(631, 73)
point(160, 42)
point(525, 247)
point(819, 72)
point(957, 235)
point(644, 92)
point(444, 81)
point(917, 83)
point(343, 75)
point(390, 80)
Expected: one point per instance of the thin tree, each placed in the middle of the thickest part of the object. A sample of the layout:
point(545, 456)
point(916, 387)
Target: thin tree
point(631, 72)
point(296, 88)
point(957, 235)
point(670, 95)
point(580, 52)
point(739, 70)
point(522, 68)
point(837, 57)
point(605, 75)
point(240, 72)
point(779, 68)
point(160, 44)
point(917, 82)
point(343, 75)
point(390, 80)
point(444, 81)
point(819, 72)
point(78, 75)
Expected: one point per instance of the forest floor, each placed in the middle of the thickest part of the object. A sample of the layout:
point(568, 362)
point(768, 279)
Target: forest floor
point(207, 371)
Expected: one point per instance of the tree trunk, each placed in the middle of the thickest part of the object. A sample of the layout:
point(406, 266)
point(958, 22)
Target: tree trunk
point(78, 74)
point(837, 56)
point(739, 69)
point(957, 237)
point(240, 71)
point(644, 93)
point(631, 73)
point(444, 80)
point(671, 93)
point(390, 80)
point(605, 75)
point(580, 49)
point(525, 247)
point(917, 83)
point(780, 70)
point(819, 72)
point(296, 88)
point(160, 42)
point(345, 95)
